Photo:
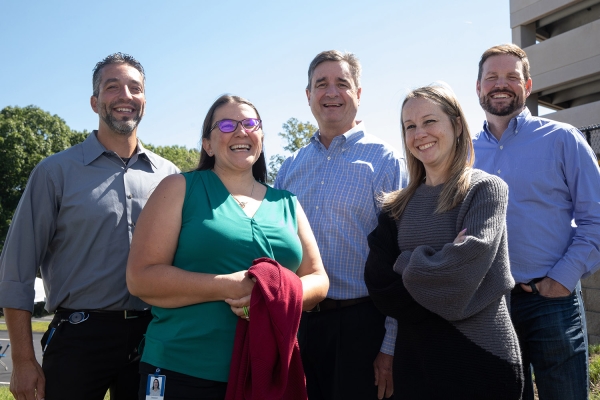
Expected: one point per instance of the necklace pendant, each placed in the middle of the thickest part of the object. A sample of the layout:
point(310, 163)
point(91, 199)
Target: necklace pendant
point(243, 203)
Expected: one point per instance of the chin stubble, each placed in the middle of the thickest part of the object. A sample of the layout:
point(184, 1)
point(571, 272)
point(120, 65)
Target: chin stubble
point(121, 127)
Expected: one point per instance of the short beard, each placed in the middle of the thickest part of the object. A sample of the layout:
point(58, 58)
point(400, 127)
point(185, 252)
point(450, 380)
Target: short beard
point(486, 103)
point(121, 127)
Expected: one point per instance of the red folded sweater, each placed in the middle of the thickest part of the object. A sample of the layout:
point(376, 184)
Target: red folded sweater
point(266, 363)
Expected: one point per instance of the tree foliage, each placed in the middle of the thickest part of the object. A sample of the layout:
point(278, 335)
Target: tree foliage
point(27, 136)
point(297, 135)
point(186, 159)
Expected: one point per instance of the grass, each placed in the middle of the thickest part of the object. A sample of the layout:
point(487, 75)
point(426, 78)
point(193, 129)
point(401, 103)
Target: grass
point(36, 327)
point(595, 372)
point(6, 395)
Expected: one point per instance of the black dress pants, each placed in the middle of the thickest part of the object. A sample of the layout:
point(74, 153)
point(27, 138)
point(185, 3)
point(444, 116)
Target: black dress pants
point(84, 360)
point(338, 348)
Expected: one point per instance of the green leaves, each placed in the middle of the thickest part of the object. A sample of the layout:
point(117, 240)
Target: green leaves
point(186, 159)
point(27, 136)
point(297, 134)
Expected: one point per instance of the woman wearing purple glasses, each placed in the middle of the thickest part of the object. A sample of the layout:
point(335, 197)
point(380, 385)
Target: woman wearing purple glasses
point(194, 241)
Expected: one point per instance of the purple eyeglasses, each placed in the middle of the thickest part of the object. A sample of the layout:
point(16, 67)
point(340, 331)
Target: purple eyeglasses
point(230, 125)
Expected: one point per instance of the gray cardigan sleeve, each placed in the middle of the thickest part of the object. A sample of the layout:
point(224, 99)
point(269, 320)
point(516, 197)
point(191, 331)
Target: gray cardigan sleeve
point(462, 279)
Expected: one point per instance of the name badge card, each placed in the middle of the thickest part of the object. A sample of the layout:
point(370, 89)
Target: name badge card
point(155, 387)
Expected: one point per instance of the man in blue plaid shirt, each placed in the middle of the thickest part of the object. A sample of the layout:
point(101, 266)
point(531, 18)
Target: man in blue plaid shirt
point(347, 345)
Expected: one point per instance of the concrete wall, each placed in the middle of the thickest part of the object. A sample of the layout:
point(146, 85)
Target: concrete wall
point(565, 58)
point(581, 116)
point(591, 299)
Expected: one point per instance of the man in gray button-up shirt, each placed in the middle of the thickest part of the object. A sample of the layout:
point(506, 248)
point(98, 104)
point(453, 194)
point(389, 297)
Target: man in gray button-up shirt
point(75, 221)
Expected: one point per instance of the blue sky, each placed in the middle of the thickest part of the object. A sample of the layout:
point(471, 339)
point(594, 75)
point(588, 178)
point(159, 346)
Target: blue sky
point(194, 51)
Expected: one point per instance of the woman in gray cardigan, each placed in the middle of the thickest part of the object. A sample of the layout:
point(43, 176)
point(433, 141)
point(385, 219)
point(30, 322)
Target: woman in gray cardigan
point(439, 263)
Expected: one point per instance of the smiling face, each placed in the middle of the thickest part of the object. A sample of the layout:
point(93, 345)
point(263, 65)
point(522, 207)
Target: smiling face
point(120, 102)
point(430, 137)
point(237, 150)
point(503, 89)
point(333, 97)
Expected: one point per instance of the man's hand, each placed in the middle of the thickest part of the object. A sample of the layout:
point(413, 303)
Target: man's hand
point(27, 376)
point(27, 379)
point(548, 287)
point(383, 375)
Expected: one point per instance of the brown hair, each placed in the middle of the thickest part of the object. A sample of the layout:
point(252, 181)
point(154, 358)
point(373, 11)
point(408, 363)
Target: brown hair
point(334, 55)
point(509, 48)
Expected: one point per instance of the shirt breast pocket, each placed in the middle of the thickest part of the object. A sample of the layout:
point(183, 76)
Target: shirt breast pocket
point(351, 189)
point(532, 178)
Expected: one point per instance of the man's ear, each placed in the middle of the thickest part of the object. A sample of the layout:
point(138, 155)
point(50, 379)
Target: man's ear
point(94, 103)
point(358, 93)
point(478, 88)
point(528, 87)
point(308, 96)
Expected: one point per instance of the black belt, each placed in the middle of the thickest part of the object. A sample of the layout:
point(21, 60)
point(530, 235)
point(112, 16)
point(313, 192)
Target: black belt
point(116, 314)
point(332, 304)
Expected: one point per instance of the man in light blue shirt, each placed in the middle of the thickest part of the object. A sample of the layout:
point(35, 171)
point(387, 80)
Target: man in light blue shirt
point(338, 177)
point(553, 179)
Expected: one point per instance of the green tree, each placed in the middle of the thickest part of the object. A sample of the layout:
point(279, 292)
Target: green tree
point(27, 136)
point(186, 159)
point(297, 134)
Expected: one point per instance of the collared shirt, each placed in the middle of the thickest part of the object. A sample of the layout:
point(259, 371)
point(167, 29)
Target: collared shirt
point(75, 221)
point(339, 187)
point(553, 179)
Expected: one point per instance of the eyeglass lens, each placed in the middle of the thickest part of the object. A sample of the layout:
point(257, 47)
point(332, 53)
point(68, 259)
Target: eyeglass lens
point(229, 125)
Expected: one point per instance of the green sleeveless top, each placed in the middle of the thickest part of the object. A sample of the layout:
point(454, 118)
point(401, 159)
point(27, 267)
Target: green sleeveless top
point(218, 238)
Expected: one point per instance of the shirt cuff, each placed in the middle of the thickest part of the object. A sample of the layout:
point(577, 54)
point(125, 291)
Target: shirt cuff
point(389, 340)
point(16, 295)
point(565, 275)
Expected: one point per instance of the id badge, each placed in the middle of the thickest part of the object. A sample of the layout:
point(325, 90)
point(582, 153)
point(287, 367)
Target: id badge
point(155, 387)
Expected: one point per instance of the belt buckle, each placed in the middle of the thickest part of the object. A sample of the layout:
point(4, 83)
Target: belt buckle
point(128, 316)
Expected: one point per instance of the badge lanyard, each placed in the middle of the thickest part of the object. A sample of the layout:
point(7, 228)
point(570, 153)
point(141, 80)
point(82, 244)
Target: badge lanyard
point(74, 319)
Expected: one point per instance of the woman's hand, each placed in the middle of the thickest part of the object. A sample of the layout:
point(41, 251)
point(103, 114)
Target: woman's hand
point(240, 307)
point(462, 236)
point(240, 285)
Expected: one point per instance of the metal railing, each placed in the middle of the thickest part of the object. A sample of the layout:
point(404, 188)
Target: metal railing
point(592, 135)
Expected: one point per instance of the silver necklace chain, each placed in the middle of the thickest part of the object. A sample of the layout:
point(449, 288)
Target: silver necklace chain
point(243, 203)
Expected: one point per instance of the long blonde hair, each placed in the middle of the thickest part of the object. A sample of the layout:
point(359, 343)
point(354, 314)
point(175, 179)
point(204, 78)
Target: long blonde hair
point(455, 189)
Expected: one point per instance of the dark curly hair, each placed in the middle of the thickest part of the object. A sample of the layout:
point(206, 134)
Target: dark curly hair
point(116, 58)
